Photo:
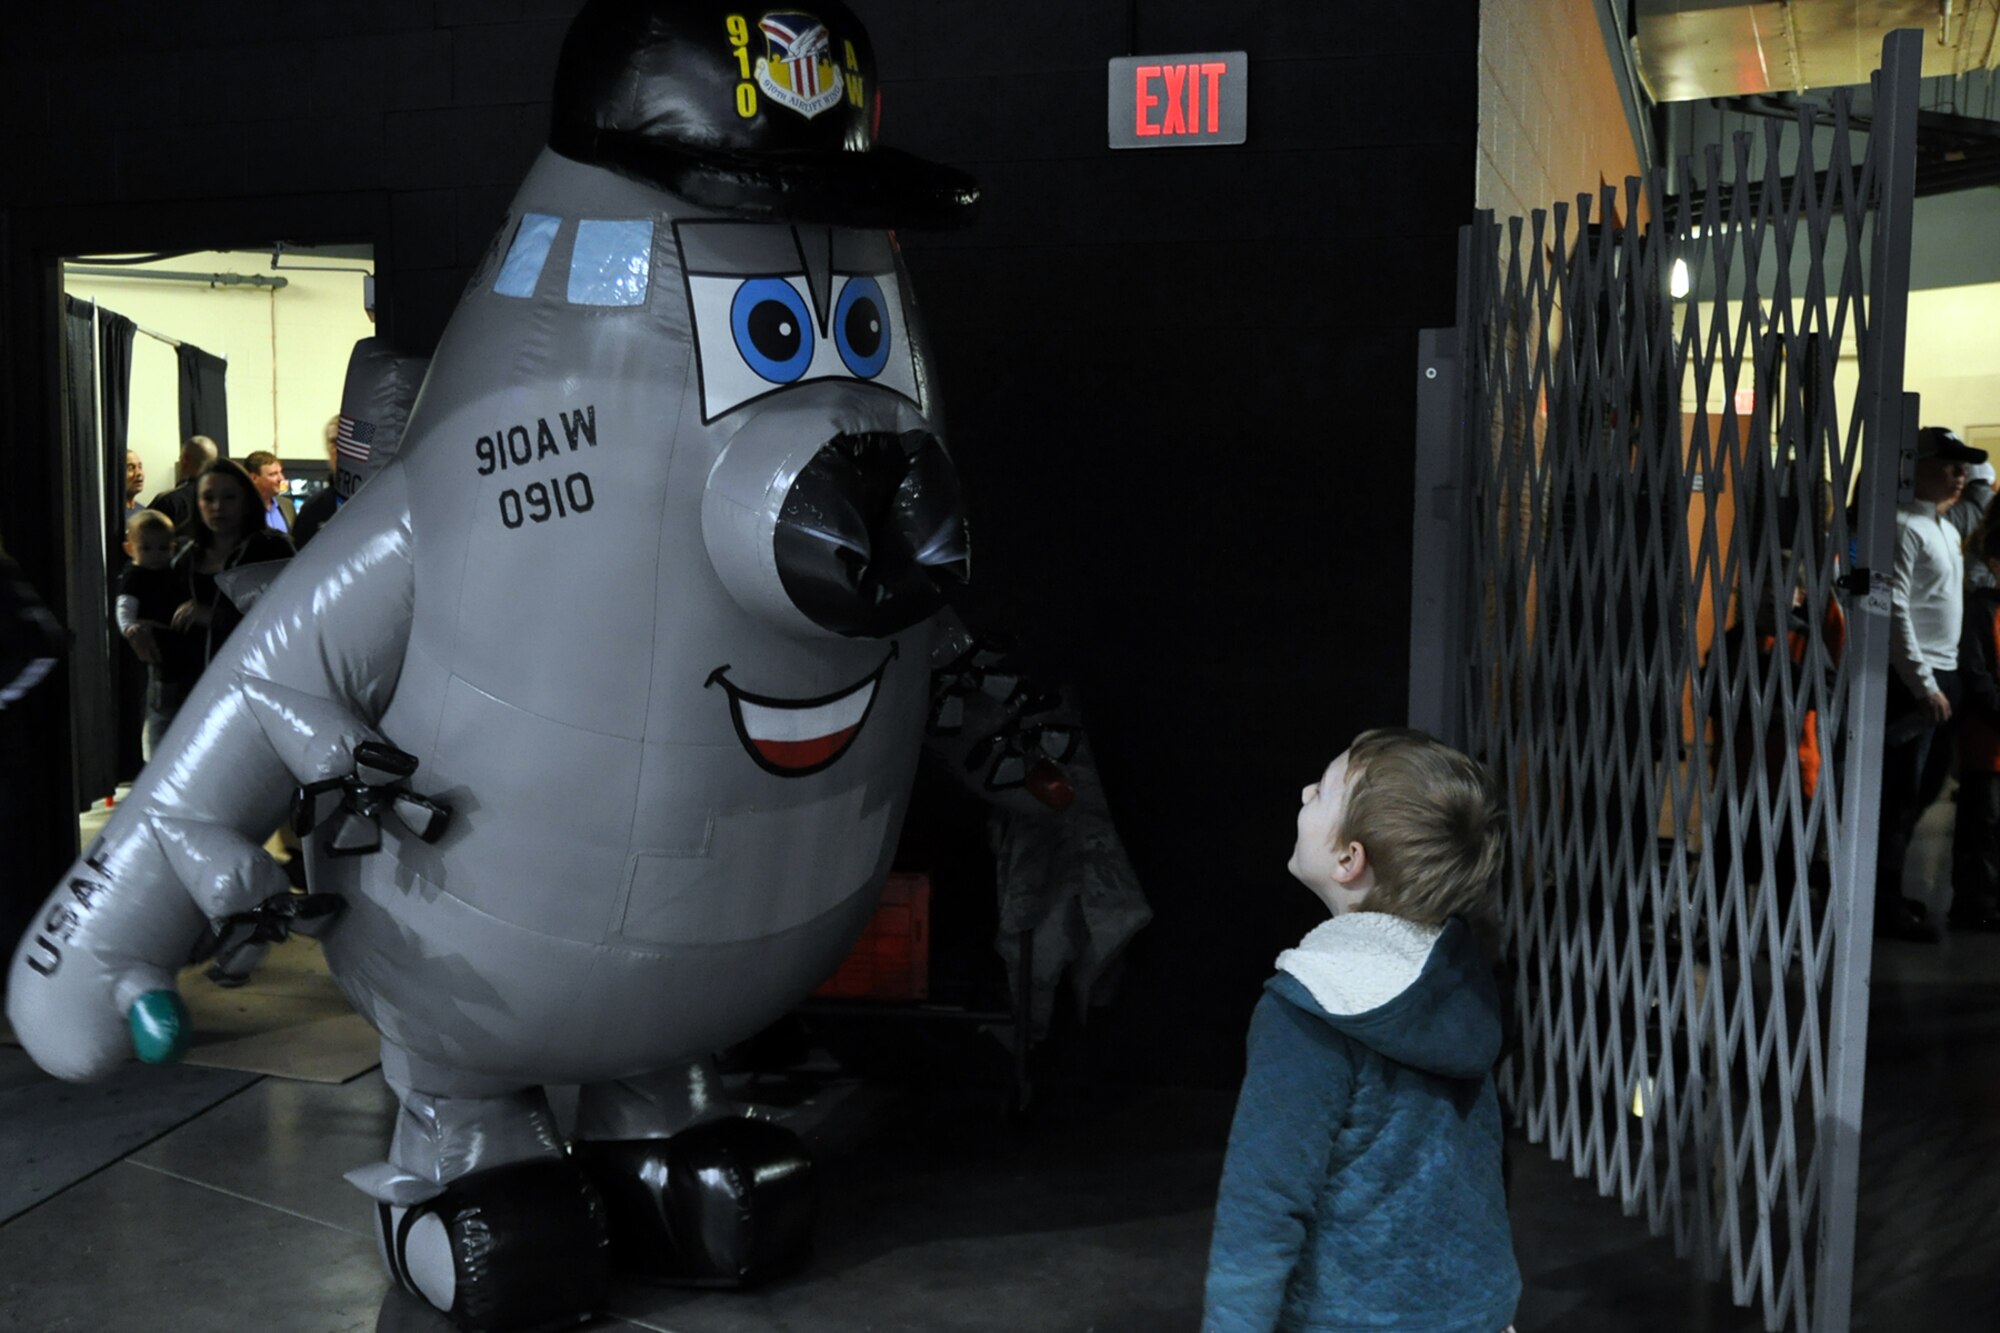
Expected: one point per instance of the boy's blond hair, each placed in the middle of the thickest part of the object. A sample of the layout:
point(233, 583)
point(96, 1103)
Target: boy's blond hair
point(145, 520)
point(1431, 822)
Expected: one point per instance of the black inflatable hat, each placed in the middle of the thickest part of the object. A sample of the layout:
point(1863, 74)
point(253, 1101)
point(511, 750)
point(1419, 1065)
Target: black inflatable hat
point(752, 112)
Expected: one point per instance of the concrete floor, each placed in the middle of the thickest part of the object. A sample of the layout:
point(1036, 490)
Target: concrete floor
point(197, 1199)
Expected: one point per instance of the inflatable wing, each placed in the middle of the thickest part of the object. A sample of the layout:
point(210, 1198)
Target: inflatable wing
point(598, 704)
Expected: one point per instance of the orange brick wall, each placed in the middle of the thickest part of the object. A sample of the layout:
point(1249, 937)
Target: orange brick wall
point(1550, 122)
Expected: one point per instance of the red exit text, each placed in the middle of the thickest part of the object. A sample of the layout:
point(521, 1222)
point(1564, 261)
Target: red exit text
point(1178, 99)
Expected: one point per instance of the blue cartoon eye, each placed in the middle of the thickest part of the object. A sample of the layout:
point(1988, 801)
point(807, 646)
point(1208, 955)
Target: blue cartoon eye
point(861, 327)
point(773, 332)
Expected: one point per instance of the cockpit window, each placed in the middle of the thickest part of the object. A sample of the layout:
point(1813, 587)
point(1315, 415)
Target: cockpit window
point(525, 257)
point(612, 263)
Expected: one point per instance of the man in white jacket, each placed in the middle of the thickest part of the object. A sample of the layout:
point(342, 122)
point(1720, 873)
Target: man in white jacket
point(1927, 605)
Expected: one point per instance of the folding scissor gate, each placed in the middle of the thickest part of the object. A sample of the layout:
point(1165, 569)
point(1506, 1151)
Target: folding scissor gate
point(1668, 643)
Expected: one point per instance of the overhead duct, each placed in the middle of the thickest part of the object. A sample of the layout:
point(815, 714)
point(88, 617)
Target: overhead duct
point(1693, 49)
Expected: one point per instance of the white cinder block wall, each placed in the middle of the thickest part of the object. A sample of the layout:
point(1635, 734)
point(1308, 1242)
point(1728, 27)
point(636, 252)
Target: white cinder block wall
point(1550, 121)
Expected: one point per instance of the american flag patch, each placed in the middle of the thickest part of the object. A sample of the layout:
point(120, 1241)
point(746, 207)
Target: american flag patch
point(796, 36)
point(353, 439)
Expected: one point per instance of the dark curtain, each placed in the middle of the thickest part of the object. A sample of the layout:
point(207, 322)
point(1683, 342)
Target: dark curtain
point(93, 700)
point(114, 383)
point(80, 369)
point(204, 397)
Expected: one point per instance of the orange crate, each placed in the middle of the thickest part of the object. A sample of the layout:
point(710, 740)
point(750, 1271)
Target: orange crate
point(892, 959)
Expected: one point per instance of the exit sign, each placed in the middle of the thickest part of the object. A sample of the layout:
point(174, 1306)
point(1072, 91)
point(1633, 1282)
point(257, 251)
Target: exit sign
point(1179, 101)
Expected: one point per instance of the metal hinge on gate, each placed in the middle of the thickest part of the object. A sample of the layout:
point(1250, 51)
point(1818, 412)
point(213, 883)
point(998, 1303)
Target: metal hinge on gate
point(1869, 584)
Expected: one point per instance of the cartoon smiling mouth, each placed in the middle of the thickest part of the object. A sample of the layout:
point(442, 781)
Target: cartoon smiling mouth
point(796, 737)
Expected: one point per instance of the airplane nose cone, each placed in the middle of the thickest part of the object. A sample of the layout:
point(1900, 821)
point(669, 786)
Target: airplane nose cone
point(871, 536)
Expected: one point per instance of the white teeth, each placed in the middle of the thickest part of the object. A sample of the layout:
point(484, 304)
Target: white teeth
point(791, 725)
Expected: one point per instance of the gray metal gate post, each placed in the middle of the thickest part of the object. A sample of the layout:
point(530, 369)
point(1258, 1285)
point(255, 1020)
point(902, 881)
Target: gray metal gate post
point(1440, 537)
point(1437, 560)
point(1890, 434)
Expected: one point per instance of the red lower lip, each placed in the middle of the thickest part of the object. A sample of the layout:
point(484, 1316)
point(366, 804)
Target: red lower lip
point(804, 754)
point(800, 755)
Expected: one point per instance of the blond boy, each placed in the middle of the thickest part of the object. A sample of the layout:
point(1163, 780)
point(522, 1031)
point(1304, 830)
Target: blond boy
point(1362, 1185)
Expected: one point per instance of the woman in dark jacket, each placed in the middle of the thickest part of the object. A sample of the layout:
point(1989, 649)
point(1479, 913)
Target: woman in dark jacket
point(228, 530)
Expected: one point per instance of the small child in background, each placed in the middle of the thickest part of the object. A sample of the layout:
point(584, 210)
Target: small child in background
point(143, 601)
point(1362, 1186)
point(1975, 836)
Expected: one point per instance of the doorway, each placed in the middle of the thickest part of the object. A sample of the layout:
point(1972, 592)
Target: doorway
point(247, 348)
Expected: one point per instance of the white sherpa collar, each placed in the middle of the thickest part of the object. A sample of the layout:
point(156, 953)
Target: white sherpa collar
point(1360, 960)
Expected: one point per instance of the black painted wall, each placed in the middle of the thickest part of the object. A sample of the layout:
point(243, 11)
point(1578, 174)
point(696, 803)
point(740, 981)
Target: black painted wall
point(1180, 382)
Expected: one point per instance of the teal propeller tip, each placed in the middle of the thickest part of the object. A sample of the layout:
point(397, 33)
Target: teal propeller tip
point(160, 1027)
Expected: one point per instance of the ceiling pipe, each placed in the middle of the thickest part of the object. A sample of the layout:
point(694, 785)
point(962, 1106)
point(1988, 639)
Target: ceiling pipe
point(174, 275)
point(1978, 168)
point(1929, 123)
point(278, 256)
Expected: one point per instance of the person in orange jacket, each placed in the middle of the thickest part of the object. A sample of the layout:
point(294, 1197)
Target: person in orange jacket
point(1763, 758)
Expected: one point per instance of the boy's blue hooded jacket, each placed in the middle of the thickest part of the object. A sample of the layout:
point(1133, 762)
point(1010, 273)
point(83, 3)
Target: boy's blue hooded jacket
point(1362, 1187)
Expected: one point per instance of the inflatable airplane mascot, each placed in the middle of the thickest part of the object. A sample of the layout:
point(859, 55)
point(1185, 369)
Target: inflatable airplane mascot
point(598, 705)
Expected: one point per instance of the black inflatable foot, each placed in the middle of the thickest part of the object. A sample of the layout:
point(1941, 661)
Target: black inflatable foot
point(727, 1203)
point(514, 1248)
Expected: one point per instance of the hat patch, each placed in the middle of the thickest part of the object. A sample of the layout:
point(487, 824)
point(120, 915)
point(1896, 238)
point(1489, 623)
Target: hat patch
point(798, 69)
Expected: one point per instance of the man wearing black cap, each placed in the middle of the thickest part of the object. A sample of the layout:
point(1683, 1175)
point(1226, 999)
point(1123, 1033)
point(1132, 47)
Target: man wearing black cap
point(1926, 614)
